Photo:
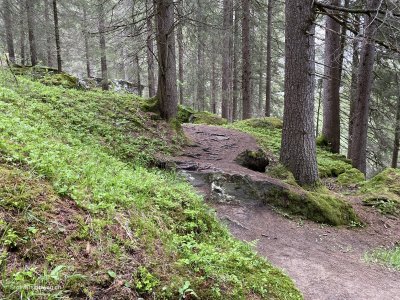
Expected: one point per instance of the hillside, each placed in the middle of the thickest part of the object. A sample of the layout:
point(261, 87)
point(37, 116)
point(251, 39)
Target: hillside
point(83, 212)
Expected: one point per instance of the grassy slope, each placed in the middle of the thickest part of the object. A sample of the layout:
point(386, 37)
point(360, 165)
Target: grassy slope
point(106, 223)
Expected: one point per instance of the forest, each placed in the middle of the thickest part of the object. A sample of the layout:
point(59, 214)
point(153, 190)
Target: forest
point(199, 149)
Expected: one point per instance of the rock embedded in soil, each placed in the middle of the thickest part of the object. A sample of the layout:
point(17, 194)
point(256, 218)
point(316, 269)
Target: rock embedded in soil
point(253, 160)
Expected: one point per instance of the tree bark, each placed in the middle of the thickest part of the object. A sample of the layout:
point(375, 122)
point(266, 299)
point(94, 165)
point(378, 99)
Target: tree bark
point(9, 30)
point(86, 40)
point(268, 98)
point(363, 94)
point(48, 36)
point(102, 40)
point(235, 83)
point(57, 36)
point(138, 79)
point(332, 66)
point(150, 51)
point(200, 97)
point(226, 57)
point(167, 89)
point(298, 151)
point(353, 85)
point(180, 51)
point(22, 32)
point(213, 84)
point(31, 31)
point(246, 61)
point(396, 144)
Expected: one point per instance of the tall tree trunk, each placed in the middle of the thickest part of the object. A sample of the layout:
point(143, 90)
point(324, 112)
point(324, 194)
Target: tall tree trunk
point(150, 51)
point(213, 80)
point(200, 59)
point(268, 90)
point(9, 30)
point(363, 94)
point(86, 39)
point(332, 66)
point(48, 36)
point(22, 32)
point(167, 90)
point(353, 85)
point(57, 36)
point(180, 51)
point(226, 57)
point(31, 31)
point(102, 40)
point(246, 60)
point(235, 83)
point(298, 151)
point(261, 77)
point(396, 144)
point(138, 79)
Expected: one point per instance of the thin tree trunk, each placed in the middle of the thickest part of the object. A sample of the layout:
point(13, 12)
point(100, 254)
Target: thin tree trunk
point(150, 51)
point(180, 51)
point(320, 81)
point(22, 32)
point(48, 37)
point(86, 39)
point(268, 86)
point(138, 79)
point(102, 40)
point(213, 81)
point(298, 151)
point(235, 82)
point(167, 89)
point(226, 57)
point(332, 71)
point(261, 77)
point(246, 61)
point(57, 36)
point(396, 144)
point(353, 85)
point(200, 97)
point(31, 32)
point(364, 87)
point(9, 30)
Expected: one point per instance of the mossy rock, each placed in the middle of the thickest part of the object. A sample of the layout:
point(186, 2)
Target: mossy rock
point(321, 207)
point(208, 119)
point(253, 160)
point(332, 164)
point(149, 105)
point(351, 177)
point(383, 191)
point(184, 114)
point(279, 171)
point(267, 122)
point(61, 79)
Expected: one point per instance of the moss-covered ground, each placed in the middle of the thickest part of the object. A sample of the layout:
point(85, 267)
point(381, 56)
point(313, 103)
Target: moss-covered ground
point(82, 214)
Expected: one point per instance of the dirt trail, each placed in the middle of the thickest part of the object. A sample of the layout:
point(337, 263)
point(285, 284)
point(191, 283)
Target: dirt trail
point(325, 262)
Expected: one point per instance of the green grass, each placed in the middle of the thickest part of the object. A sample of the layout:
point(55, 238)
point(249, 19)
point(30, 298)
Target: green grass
point(144, 228)
point(387, 257)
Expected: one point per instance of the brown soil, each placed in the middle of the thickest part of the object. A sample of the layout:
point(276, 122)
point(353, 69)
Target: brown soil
point(325, 262)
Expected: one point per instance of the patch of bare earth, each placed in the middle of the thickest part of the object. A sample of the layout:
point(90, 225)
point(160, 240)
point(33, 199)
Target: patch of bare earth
point(325, 262)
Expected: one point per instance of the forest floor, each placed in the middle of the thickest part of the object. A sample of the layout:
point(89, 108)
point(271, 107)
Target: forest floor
point(325, 262)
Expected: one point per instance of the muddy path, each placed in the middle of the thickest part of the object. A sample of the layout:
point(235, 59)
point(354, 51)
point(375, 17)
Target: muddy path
point(325, 262)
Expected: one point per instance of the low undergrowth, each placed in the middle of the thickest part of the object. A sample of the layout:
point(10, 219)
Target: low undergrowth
point(385, 256)
point(82, 212)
